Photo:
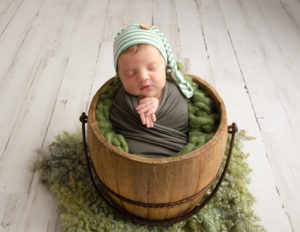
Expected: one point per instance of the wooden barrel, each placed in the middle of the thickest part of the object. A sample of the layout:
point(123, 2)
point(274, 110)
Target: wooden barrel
point(178, 183)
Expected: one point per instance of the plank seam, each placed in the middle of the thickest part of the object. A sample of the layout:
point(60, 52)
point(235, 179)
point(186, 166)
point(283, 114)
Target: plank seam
point(12, 16)
point(20, 110)
point(49, 122)
point(21, 44)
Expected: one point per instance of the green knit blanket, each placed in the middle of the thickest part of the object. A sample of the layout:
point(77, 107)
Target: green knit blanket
point(63, 170)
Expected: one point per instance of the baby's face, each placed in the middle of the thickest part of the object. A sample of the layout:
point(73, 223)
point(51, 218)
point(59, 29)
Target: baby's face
point(143, 74)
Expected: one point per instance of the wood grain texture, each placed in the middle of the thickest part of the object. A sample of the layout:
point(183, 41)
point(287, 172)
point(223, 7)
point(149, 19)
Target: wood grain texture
point(55, 54)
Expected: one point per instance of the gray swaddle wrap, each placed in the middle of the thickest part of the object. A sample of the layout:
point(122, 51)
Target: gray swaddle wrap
point(169, 134)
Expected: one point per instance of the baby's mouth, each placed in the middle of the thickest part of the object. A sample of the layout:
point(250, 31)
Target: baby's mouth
point(145, 87)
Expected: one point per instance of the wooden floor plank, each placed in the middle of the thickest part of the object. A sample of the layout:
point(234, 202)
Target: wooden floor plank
point(165, 18)
point(11, 211)
point(15, 88)
point(104, 68)
point(39, 211)
point(139, 12)
point(33, 119)
point(14, 31)
point(192, 42)
point(285, 29)
point(8, 9)
point(16, 206)
point(280, 40)
point(115, 19)
point(292, 9)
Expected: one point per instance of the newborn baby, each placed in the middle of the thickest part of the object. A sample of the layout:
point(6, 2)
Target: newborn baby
point(149, 111)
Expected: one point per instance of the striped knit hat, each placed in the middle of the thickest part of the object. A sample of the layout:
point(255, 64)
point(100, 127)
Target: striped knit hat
point(143, 34)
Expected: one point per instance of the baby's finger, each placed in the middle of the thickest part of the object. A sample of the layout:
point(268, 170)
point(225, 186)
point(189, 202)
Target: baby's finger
point(147, 122)
point(143, 119)
point(143, 106)
point(147, 110)
point(150, 123)
point(150, 111)
point(153, 117)
point(143, 110)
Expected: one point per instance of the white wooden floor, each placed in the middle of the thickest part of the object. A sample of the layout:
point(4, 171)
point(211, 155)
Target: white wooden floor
point(54, 55)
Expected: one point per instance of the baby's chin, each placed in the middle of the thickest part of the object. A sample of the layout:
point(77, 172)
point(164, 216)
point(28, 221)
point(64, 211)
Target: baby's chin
point(149, 94)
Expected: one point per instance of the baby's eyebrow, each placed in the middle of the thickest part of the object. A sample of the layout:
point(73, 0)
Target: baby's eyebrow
point(129, 71)
point(126, 69)
point(154, 63)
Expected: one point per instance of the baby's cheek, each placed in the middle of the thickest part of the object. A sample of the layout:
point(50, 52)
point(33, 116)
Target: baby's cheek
point(126, 81)
point(131, 83)
point(131, 87)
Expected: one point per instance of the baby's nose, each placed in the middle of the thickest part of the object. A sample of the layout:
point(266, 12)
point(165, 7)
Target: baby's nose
point(143, 75)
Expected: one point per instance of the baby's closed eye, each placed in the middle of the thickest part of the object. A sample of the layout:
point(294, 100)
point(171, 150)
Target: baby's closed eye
point(153, 66)
point(129, 73)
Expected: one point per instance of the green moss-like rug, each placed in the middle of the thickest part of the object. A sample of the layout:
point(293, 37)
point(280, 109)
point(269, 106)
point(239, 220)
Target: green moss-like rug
point(63, 170)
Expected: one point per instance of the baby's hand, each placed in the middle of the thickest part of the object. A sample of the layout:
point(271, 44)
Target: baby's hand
point(147, 108)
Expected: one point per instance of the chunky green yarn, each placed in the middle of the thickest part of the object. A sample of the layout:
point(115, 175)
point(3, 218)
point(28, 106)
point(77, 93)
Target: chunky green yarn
point(63, 170)
point(203, 117)
point(102, 115)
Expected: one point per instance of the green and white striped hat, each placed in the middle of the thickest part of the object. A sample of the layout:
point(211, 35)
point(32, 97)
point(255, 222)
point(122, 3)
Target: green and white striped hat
point(143, 34)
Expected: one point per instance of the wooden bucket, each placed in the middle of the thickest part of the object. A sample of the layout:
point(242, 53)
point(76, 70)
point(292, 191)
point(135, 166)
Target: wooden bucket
point(174, 185)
